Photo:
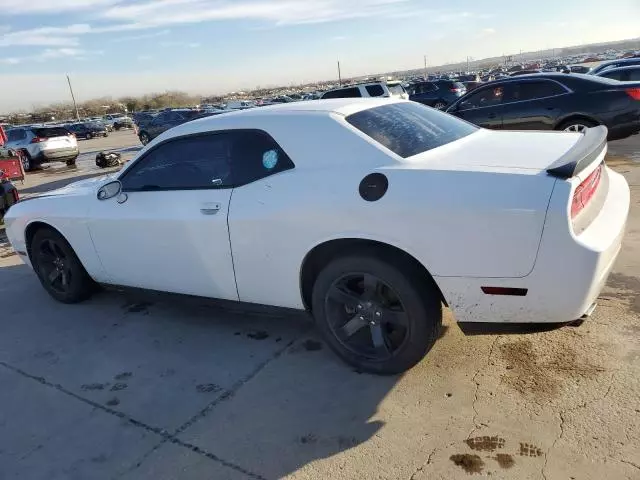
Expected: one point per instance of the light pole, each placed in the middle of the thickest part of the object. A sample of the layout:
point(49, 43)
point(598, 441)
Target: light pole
point(426, 74)
point(339, 74)
point(74, 99)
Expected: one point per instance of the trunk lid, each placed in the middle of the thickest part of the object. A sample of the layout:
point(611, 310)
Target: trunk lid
point(530, 152)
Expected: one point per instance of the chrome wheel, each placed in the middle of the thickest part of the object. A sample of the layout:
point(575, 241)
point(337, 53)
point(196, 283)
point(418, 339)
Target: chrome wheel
point(54, 266)
point(144, 138)
point(440, 106)
point(26, 161)
point(367, 316)
point(576, 127)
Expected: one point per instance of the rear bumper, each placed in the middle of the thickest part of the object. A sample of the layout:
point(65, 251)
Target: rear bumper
point(569, 273)
point(57, 155)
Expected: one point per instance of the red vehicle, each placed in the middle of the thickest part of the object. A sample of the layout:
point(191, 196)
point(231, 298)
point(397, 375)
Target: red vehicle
point(10, 168)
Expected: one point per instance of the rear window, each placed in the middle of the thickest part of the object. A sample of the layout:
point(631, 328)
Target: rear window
point(409, 128)
point(375, 90)
point(50, 132)
point(395, 89)
point(343, 93)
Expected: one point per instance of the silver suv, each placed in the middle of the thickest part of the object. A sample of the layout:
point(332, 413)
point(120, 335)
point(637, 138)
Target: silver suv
point(42, 144)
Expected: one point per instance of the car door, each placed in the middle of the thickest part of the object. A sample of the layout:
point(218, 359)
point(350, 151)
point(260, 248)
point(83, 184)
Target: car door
point(168, 230)
point(532, 104)
point(483, 106)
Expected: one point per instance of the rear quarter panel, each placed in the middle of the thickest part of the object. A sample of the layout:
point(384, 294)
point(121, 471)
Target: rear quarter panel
point(456, 223)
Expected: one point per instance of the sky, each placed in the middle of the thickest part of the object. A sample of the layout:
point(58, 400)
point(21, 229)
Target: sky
point(132, 47)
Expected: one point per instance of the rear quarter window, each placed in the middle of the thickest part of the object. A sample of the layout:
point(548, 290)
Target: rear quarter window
point(409, 128)
point(50, 132)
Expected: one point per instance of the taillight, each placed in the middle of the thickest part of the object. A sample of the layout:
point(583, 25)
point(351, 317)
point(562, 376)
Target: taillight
point(16, 197)
point(585, 191)
point(633, 93)
point(38, 139)
point(455, 90)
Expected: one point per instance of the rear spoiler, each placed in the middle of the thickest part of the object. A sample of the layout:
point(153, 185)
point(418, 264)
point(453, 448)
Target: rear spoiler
point(581, 155)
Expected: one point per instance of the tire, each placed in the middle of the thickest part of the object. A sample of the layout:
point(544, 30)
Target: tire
point(413, 299)
point(577, 125)
point(144, 138)
point(72, 162)
point(440, 105)
point(117, 126)
point(27, 163)
point(58, 268)
point(89, 136)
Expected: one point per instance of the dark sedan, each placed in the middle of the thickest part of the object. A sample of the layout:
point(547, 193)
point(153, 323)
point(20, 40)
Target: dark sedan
point(554, 101)
point(622, 62)
point(437, 94)
point(88, 130)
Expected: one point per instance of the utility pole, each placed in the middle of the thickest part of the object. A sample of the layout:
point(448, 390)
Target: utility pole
point(339, 74)
point(426, 74)
point(74, 99)
point(467, 63)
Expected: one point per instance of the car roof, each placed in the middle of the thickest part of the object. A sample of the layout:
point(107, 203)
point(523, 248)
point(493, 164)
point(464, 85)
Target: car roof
point(617, 69)
point(339, 106)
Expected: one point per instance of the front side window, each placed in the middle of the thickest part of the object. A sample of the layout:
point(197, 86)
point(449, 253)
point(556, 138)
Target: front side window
point(375, 90)
point(487, 97)
point(214, 160)
point(409, 128)
point(613, 75)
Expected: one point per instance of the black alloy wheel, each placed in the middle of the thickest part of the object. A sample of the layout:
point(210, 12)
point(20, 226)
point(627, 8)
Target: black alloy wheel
point(366, 316)
point(144, 138)
point(380, 315)
point(58, 268)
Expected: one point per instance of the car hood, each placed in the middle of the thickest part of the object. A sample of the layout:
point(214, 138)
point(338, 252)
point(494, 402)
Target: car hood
point(529, 152)
point(82, 187)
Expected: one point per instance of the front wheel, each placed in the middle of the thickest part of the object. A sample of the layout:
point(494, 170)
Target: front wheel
point(72, 162)
point(380, 318)
point(440, 105)
point(89, 136)
point(144, 138)
point(25, 158)
point(58, 268)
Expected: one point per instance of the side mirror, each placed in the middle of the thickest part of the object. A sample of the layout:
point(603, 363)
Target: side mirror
point(109, 190)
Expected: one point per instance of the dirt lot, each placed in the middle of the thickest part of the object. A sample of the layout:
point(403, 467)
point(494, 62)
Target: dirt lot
point(158, 388)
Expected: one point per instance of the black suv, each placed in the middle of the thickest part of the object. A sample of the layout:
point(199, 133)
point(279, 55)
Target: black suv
point(437, 94)
point(164, 121)
point(554, 101)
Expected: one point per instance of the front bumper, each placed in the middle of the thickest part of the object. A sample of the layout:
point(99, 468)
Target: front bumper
point(569, 273)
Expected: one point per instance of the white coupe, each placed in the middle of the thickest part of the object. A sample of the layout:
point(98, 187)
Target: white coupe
point(369, 213)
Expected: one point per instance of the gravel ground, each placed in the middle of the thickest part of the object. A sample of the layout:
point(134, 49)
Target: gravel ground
point(132, 387)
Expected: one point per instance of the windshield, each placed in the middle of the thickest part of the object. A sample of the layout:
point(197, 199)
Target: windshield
point(409, 128)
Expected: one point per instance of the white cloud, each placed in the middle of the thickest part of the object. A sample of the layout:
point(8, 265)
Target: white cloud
point(142, 36)
point(45, 36)
point(180, 44)
point(488, 31)
point(17, 7)
point(10, 61)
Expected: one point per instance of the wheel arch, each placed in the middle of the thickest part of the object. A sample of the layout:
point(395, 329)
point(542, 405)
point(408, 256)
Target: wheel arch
point(575, 116)
point(324, 252)
point(32, 228)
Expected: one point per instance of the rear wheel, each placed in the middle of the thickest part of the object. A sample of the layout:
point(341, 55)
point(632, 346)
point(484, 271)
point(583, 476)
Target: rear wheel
point(440, 105)
point(89, 136)
point(577, 125)
point(72, 162)
point(27, 163)
point(380, 318)
point(58, 268)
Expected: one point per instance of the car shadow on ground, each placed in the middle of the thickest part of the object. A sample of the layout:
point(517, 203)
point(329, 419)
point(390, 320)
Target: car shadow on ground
point(259, 390)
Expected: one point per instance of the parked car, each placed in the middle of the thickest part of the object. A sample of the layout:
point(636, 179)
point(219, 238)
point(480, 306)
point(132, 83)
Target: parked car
point(118, 121)
point(163, 121)
point(623, 62)
point(524, 72)
point(365, 90)
point(244, 206)
point(87, 130)
point(43, 144)
point(622, 74)
point(437, 94)
point(554, 101)
point(579, 69)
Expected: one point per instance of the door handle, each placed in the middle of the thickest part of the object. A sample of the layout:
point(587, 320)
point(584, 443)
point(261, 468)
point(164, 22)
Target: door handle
point(210, 208)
